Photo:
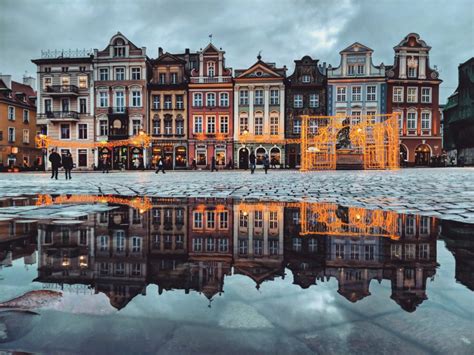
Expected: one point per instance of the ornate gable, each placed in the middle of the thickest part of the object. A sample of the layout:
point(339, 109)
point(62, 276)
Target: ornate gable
point(355, 48)
point(260, 70)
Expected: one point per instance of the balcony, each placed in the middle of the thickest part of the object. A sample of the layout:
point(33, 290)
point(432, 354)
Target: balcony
point(60, 115)
point(206, 80)
point(118, 110)
point(62, 90)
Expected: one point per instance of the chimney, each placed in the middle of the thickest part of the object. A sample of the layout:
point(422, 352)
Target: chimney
point(160, 51)
point(7, 79)
point(186, 51)
point(30, 81)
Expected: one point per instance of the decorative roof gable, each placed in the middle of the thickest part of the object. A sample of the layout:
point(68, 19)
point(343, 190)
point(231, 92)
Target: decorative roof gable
point(355, 48)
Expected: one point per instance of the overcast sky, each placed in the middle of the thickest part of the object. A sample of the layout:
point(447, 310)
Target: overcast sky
point(284, 30)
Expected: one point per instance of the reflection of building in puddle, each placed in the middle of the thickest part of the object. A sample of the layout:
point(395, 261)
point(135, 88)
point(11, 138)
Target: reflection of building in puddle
point(258, 240)
point(192, 244)
point(459, 241)
point(406, 258)
point(17, 236)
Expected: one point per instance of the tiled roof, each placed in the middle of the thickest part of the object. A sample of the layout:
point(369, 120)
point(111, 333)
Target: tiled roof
point(18, 88)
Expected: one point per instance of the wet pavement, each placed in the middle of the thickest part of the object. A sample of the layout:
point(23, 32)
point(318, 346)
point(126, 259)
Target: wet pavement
point(133, 273)
point(447, 193)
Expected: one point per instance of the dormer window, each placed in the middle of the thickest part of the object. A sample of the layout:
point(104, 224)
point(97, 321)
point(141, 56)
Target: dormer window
point(351, 69)
point(210, 69)
point(306, 79)
point(412, 67)
point(119, 49)
point(360, 69)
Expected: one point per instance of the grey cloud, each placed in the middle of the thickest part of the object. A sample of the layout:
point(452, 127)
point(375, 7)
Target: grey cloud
point(284, 30)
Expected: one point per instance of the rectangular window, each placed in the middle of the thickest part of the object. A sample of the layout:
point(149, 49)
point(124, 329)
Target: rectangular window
point(65, 131)
point(179, 102)
point(162, 78)
point(370, 252)
point(211, 125)
point(103, 74)
point(244, 124)
point(223, 245)
point(210, 245)
point(274, 245)
point(168, 102)
point(103, 128)
point(356, 93)
point(351, 69)
point(120, 101)
point(259, 97)
point(224, 99)
point(168, 126)
point(258, 219)
point(136, 74)
point(424, 251)
point(119, 52)
point(136, 127)
point(411, 120)
point(298, 101)
point(136, 244)
point(424, 225)
point(83, 105)
point(244, 97)
point(412, 94)
point(197, 244)
point(179, 127)
point(82, 131)
point(82, 157)
point(243, 246)
point(26, 116)
point(398, 94)
point(47, 82)
point(119, 73)
point(156, 102)
point(371, 93)
point(26, 136)
point(11, 113)
point(258, 125)
point(197, 220)
point(223, 220)
point(174, 78)
point(360, 69)
point(197, 99)
point(339, 251)
point(198, 124)
point(82, 81)
point(274, 126)
point(355, 251)
point(136, 269)
point(341, 94)
point(156, 127)
point(426, 120)
point(48, 105)
point(426, 95)
point(297, 126)
point(210, 220)
point(355, 119)
point(224, 125)
point(103, 99)
point(313, 100)
point(412, 72)
point(274, 97)
point(211, 99)
point(136, 98)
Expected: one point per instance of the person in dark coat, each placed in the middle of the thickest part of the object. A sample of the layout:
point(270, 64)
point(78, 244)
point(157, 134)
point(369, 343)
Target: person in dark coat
point(105, 164)
point(161, 166)
point(213, 164)
point(266, 163)
point(194, 165)
point(252, 160)
point(68, 165)
point(55, 160)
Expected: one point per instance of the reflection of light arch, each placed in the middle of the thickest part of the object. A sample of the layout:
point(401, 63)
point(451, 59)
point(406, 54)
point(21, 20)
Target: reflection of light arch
point(143, 204)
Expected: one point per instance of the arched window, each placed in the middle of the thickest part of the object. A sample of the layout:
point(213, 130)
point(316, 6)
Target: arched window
point(260, 153)
point(275, 156)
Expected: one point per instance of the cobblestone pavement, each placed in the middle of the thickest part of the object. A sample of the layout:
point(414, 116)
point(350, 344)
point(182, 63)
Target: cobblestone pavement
point(447, 193)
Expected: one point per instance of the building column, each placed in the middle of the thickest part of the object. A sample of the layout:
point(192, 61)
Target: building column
point(266, 110)
point(281, 123)
point(251, 100)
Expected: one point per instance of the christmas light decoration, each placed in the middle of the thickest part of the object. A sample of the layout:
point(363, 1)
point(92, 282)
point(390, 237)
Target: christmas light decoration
point(141, 139)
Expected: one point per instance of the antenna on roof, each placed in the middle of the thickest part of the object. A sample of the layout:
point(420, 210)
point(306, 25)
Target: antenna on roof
point(259, 56)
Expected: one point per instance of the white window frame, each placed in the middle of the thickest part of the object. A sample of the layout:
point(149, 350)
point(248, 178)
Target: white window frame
point(211, 124)
point(104, 72)
point(103, 95)
point(61, 133)
point(243, 97)
point(298, 101)
point(258, 125)
point(397, 95)
point(11, 113)
point(134, 71)
point(211, 99)
point(224, 124)
point(224, 99)
point(79, 130)
point(274, 97)
point(424, 120)
point(371, 96)
point(313, 100)
point(136, 100)
point(412, 98)
point(116, 72)
point(426, 98)
point(197, 123)
point(197, 99)
point(258, 100)
point(356, 93)
point(341, 94)
point(415, 120)
point(26, 134)
point(11, 134)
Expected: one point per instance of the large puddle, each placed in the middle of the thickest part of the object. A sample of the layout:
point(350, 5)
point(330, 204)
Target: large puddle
point(110, 274)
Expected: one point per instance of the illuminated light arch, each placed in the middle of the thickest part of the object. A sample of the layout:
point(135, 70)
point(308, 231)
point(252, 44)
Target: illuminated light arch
point(374, 137)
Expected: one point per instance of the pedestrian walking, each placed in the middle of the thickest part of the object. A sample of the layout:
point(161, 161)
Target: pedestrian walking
point(252, 160)
point(194, 165)
point(213, 164)
point(68, 165)
point(105, 164)
point(55, 160)
point(266, 163)
point(161, 167)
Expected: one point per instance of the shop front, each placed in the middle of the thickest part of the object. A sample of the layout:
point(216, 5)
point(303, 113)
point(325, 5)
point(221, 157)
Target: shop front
point(174, 156)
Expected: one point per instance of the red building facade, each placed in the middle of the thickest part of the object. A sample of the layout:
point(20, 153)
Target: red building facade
point(413, 91)
point(210, 123)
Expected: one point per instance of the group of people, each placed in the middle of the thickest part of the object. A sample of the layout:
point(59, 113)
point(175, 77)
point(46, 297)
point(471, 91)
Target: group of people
point(58, 161)
point(253, 162)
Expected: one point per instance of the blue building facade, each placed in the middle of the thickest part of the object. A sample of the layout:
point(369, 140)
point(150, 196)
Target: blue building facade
point(356, 86)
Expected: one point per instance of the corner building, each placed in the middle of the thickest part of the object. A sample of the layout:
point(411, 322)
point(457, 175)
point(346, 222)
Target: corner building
point(259, 114)
point(120, 78)
point(413, 91)
point(210, 112)
point(168, 109)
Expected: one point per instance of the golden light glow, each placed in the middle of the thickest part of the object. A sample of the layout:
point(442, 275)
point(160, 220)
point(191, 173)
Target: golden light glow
point(373, 137)
point(141, 139)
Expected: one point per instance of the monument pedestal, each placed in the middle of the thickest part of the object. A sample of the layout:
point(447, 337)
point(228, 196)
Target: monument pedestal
point(347, 159)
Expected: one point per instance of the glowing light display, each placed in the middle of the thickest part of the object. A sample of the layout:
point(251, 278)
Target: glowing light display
point(141, 139)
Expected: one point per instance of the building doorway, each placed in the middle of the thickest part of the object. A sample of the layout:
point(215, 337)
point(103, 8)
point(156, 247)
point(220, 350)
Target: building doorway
point(422, 155)
point(403, 155)
point(260, 153)
point(243, 158)
point(180, 157)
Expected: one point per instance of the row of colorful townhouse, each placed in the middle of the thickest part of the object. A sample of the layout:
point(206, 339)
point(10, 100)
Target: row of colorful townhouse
point(194, 107)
